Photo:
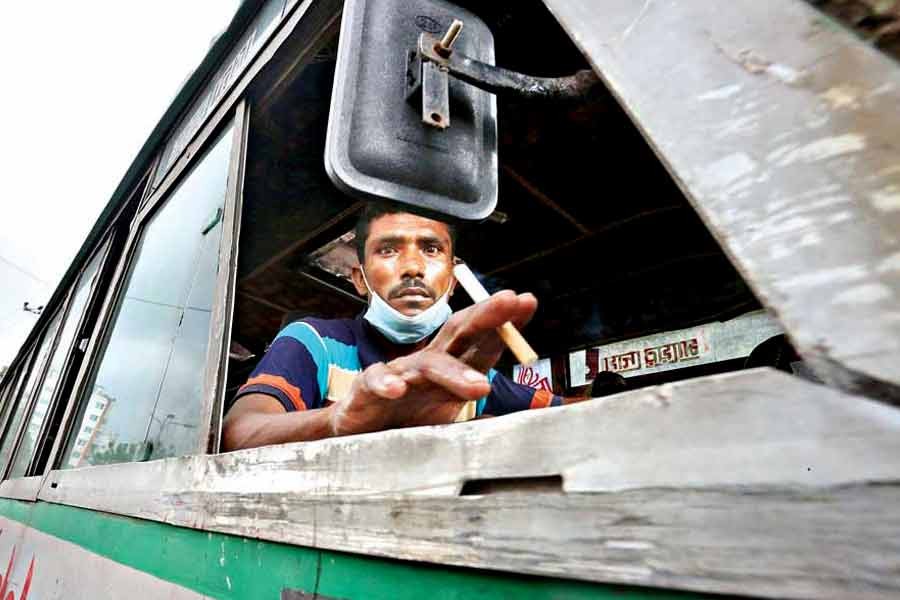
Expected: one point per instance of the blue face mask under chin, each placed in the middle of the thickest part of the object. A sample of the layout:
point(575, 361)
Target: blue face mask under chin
point(401, 329)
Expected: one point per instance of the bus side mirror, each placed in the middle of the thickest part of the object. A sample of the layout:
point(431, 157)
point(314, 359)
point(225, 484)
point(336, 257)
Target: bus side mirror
point(381, 142)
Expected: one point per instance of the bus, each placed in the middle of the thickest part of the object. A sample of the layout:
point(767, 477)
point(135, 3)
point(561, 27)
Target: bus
point(716, 221)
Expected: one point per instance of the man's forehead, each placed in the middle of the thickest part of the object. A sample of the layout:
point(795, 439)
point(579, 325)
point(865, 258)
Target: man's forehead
point(407, 225)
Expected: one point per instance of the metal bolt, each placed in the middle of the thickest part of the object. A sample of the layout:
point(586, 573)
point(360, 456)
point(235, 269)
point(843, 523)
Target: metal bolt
point(444, 46)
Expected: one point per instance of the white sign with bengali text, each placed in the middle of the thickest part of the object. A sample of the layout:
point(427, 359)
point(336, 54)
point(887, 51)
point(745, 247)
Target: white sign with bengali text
point(704, 344)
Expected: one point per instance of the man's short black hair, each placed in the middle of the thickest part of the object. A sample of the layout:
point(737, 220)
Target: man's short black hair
point(607, 383)
point(376, 210)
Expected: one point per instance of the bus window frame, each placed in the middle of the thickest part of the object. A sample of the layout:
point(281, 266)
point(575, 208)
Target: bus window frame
point(82, 328)
point(304, 19)
point(25, 488)
point(105, 321)
point(19, 374)
point(215, 374)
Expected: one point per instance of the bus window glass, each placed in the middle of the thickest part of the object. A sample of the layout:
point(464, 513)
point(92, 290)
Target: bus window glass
point(144, 400)
point(18, 409)
point(54, 371)
point(13, 388)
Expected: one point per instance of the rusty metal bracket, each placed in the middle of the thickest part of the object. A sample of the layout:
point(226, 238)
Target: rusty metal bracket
point(433, 61)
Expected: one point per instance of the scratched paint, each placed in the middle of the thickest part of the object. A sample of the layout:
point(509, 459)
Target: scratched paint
point(864, 294)
point(727, 170)
point(739, 126)
point(720, 93)
point(826, 277)
point(819, 150)
point(842, 97)
point(891, 264)
point(887, 200)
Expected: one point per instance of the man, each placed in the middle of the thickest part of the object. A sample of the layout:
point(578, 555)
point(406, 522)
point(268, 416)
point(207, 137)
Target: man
point(406, 361)
point(607, 383)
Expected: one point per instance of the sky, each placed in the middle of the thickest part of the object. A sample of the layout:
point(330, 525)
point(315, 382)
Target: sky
point(84, 85)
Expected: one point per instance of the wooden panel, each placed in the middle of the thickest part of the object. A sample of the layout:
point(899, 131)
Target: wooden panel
point(754, 482)
point(782, 129)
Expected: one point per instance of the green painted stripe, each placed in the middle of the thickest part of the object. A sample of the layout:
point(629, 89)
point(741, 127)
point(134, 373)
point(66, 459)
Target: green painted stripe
point(260, 570)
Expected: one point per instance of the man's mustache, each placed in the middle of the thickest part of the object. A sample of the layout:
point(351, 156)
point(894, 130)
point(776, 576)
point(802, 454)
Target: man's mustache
point(408, 284)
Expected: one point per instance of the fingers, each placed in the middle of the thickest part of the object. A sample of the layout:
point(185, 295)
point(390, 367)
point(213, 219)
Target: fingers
point(444, 371)
point(380, 380)
point(484, 317)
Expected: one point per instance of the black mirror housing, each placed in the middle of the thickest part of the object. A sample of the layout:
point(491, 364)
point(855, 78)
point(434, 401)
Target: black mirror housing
point(378, 146)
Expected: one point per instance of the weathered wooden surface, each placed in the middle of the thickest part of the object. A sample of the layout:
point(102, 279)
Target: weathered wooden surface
point(754, 482)
point(782, 129)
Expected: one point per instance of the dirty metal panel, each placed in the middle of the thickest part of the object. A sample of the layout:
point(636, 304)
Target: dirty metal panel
point(782, 130)
point(229, 71)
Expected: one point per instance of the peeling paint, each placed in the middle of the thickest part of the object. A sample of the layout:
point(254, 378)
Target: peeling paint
point(727, 170)
point(890, 264)
point(842, 96)
point(884, 88)
point(720, 93)
point(818, 150)
point(841, 217)
point(864, 294)
point(826, 277)
point(800, 205)
point(785, 73)
point(779, 251)
point(747, 124)
point(773, 206)
point(816, 122)
point(888, 171)
point(811, 238)
point(628, 545)
point(781, 227)
point(887, 200)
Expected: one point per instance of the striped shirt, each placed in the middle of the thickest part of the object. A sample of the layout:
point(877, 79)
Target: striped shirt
point(313, 361)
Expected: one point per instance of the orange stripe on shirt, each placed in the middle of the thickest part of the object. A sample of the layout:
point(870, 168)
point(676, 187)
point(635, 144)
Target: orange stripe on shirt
point(280, 383)
point(541, 399)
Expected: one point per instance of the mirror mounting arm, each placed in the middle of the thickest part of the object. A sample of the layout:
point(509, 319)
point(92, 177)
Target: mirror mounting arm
point(429, 65)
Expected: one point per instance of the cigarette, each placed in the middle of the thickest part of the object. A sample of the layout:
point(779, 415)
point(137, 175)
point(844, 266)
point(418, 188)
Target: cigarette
point(507, 332)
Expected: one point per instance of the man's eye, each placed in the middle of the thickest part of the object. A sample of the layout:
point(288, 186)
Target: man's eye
point(385, 251)
point(432, 250)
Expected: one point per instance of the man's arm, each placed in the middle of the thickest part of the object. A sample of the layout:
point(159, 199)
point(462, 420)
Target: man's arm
point(507, 397)
point(260, 420)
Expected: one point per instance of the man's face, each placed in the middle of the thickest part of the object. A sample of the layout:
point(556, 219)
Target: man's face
point(408, 261)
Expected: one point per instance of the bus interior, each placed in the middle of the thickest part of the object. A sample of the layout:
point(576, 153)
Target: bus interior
point(588, 219)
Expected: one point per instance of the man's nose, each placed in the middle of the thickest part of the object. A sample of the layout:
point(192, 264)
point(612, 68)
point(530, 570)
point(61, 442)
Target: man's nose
point(412, 264)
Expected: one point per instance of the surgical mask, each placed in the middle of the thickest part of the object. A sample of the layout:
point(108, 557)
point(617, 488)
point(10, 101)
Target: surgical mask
point(401, 329)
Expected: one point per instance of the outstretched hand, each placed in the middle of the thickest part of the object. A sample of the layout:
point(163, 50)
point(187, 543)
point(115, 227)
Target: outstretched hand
point(430, 386)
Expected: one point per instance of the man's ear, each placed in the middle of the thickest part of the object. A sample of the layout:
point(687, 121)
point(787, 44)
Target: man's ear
point(359, 283)
point(452, 287)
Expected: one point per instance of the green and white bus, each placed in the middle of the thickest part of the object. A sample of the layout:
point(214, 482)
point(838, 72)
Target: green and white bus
point(726, 196)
